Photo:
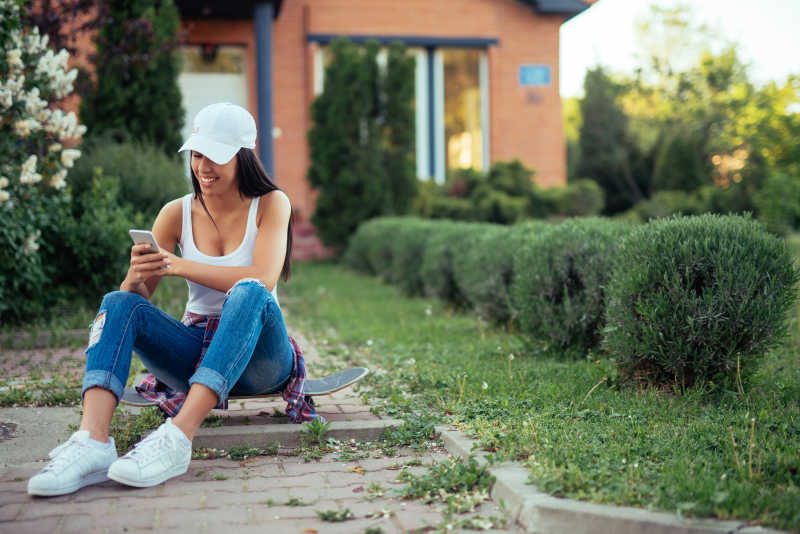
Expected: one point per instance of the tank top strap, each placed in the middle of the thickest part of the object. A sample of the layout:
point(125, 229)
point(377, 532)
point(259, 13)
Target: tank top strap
point(186, 226)
point(252, 220)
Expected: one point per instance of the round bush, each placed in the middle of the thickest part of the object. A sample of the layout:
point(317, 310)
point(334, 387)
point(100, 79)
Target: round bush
point(361, 246)
point(691, 298)
point(448, 240)
point(485, 271)
point(148, 178)
point(560, 277)
point(407, 242)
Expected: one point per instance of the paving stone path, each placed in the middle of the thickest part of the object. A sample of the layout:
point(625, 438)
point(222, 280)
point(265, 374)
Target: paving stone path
point(274, 494)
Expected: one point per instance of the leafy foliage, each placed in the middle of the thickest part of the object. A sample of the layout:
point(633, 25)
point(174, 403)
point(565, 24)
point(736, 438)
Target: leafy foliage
point(484, 272)
point(561, 274)
point(136, 94)
point(695, 299)
point(360, 151)
point(147, 178)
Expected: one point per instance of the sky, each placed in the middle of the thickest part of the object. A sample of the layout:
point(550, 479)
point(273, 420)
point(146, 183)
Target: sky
point(765, 31)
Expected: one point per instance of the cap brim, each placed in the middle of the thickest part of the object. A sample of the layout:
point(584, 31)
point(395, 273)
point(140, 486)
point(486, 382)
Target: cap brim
point(219, 153)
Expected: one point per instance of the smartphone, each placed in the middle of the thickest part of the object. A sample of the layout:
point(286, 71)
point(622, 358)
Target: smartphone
point(144, 236)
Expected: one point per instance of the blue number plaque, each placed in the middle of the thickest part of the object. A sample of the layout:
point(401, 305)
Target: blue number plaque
point(534, 75)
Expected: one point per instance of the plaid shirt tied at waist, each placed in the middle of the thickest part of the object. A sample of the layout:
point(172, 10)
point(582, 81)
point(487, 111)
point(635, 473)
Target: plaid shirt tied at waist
point(299, 407)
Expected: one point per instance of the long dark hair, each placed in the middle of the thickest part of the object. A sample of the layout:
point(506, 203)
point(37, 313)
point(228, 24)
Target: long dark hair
point(253, 182)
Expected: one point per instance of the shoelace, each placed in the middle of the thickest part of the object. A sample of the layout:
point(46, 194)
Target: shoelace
point(159, 439)
point(60, 461)
point(59, 449)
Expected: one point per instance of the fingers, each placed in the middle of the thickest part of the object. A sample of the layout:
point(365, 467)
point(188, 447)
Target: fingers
point(145, 266)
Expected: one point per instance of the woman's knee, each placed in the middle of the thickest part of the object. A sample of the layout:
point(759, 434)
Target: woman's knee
point(125, 299)
point(249, 288)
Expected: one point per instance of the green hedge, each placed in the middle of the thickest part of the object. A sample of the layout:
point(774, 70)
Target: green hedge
point(449, 241)
point(484, 272)
point(694, 298)
point(682, 299)
point(560, 279)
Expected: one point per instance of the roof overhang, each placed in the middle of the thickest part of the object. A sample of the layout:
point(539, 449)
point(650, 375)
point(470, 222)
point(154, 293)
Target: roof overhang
point(558, 7)
point(223, 9)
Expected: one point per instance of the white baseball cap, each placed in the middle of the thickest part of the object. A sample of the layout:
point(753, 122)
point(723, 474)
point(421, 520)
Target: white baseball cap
point(220, 130)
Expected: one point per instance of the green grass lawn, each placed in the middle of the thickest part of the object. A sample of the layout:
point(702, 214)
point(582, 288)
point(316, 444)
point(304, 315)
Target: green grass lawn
point(582, 434)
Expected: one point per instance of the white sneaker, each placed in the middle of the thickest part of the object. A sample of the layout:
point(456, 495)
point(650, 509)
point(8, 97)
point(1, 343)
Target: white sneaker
point(73, 464)
point(160, 456)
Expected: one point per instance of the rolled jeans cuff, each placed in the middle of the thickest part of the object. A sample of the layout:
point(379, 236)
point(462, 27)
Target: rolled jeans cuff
point(212, 380)
point(105, 380)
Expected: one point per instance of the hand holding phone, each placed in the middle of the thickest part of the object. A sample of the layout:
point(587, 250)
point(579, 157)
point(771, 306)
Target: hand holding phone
point(144, 237)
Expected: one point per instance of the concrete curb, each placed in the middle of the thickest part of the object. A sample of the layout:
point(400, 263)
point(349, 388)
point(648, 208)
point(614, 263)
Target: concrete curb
point(287, 435)
point(538, 512)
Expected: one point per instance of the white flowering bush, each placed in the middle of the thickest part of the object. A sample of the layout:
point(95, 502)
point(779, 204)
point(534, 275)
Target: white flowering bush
point(35, 158)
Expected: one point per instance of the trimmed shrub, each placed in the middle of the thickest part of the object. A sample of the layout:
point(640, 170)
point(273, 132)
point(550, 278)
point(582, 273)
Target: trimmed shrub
point(693, 298)
point(560, 281)
point(447, 242)
point(580, 198)
point(358, 249)
point(379, 245)
point(407, 242)
point(666, 203)
point(484, 272)
point(148, 178)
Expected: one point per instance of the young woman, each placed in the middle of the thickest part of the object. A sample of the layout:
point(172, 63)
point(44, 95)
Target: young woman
point(234, 232)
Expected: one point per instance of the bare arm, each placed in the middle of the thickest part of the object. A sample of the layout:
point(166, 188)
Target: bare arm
point(268, 254)
point(147, 268)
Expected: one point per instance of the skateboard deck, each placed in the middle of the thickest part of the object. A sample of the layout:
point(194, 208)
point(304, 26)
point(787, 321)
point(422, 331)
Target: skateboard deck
point(312, 387)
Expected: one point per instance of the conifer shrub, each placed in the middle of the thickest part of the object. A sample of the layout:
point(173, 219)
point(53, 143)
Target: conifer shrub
point(448, 240)
point(699, 298)
point(484, 272)
point(560, 278)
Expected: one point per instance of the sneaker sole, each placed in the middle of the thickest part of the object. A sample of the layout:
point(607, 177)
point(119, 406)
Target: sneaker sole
point(92, 478)
point(155, 481)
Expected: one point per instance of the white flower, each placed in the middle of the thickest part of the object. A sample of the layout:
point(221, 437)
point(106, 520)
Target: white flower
point(29, 165)
point(428, 311)
point(484, 386)
point(28, 174)
point(68, 158)
point(31, 245)
point(511, 357)
point(14, 57)
point(4, 196)
point(6, 98)
point(25, 127)
point(55, 147)
point(369, 342)
point(58, 180)
point(3, 182)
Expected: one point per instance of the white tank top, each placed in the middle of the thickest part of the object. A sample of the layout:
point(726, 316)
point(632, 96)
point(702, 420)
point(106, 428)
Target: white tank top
point(204, 300)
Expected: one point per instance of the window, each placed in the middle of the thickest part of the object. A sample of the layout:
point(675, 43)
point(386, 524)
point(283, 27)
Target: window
point(451, 108)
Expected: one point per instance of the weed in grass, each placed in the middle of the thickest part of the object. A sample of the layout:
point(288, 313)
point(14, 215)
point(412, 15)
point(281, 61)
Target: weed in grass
point(213, 421)
point(314, 432)
point(374, 530)
point(296, 501)
point(242, 452)
point(335, 515)
point(461, 485)
point(219, 476)
point(128, 429)
point(268, 502)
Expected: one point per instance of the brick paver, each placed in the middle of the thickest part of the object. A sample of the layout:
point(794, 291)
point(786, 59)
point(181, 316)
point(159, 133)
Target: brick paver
point(222, 495)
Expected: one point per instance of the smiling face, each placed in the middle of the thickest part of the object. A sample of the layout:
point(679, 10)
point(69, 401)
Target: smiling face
point(214, 179)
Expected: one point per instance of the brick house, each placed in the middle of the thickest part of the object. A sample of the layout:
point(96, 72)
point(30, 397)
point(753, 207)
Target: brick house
point(486, 78)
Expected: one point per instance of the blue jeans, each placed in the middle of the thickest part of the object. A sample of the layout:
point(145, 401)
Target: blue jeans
point(250, 353)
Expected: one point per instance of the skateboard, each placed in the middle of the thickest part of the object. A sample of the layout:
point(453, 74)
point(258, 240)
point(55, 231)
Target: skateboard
point(311, 388)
